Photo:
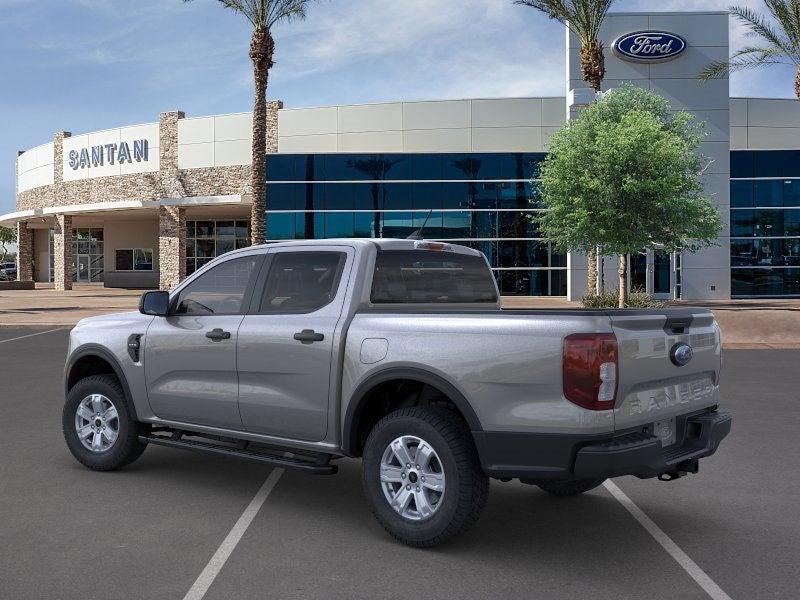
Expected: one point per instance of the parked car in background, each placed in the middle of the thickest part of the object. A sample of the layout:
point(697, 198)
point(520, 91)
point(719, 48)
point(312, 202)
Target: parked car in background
point(8, 271)
point(396, 351)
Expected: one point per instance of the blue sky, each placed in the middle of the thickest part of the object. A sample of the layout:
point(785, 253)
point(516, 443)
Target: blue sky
point(84, 65)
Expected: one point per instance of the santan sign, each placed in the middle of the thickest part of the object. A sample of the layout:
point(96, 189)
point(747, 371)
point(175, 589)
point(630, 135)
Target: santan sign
point(649, 46)
point(97, 156)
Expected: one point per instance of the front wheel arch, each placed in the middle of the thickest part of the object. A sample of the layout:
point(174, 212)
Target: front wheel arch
point(93, 359)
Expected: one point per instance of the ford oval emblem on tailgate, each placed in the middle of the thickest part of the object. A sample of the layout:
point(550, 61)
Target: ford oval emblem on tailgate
point(681, 354)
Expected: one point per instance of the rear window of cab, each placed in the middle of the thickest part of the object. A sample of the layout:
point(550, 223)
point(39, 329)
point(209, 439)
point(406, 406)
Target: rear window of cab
point(431, 277)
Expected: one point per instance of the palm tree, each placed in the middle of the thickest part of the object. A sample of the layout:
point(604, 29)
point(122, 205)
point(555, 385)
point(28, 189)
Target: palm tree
point(262, 15)
point(779, 41)
point(584, 19)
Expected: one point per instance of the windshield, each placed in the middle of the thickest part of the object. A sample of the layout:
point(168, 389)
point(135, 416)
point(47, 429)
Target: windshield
point(425, 276)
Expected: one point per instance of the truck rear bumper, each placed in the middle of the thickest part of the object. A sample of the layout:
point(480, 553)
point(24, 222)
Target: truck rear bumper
point(554, 456)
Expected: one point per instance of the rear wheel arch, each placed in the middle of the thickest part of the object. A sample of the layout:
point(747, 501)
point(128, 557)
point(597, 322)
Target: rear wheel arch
point(362, 410)
point(96, 360)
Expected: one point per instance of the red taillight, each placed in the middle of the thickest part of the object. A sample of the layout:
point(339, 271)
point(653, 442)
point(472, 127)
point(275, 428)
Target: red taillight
point(590, 370)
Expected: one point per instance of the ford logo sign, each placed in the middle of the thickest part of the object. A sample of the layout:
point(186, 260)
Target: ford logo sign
point(649, 46)
point(681, 354)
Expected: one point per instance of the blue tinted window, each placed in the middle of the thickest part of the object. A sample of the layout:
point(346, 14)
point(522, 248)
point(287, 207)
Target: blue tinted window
point(741, 194)
point(398, 224)
point(396, 196)
point(463, 166)
point(280, 226)
point(457, 225)
point(768, 193)
point(282, 196)
point(427, 195)
point(366, 225)
point(791, 193)
point(426, 166)
point(339, 196)
point(367, 196)
point(338, 225)
point(765, 282)
point(790, 165)
point(281, 167)
point(455, 195)
point(768, 164)
point(765, 253)
point(742, 164)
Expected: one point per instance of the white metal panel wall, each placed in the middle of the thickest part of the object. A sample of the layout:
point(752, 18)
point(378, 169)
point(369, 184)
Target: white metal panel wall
point(215, 141)
point(765, 124)
point(35, 167)
point(483, 125)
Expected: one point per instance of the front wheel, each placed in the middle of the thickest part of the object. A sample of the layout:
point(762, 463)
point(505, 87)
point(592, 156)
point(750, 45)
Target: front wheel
point(98, 427)
point(422, 476)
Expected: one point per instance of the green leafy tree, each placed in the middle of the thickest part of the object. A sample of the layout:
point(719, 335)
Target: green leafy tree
point(626, 175)
point(263, 15)
point(778, 40)
point(8, 236)
point(584, 19)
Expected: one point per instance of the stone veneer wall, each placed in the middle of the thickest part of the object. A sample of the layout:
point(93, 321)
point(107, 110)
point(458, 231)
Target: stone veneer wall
point(24, 252)
point(169, 182)
point(62, 250)
point(171, 246)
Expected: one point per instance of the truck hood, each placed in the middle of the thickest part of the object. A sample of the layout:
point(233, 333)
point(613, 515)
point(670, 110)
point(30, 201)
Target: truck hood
point(125, 319)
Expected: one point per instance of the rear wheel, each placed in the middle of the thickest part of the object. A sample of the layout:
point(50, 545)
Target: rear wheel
point(569, 487)
point(422, 476)
point(98, 427)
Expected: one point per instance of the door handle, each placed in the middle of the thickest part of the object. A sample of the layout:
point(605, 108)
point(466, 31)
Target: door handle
point(217, 335)
point(308, 336)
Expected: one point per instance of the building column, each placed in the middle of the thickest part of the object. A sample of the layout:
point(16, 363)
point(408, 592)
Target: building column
point(171, 246)
point(24, 252)
point(62, 250)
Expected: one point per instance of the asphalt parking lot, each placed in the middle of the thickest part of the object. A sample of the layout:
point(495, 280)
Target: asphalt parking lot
point(150, 530)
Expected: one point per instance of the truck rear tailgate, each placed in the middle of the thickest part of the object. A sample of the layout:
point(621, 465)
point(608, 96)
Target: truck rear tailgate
point(651, 385)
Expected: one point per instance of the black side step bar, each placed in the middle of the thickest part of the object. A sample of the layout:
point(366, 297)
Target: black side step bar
point(320, 466)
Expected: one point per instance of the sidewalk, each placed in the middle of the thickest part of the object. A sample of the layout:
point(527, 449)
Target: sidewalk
point(744, 323)
point(46, 307)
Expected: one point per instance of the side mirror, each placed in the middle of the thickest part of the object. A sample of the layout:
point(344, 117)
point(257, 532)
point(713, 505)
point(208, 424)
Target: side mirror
point(154, 303)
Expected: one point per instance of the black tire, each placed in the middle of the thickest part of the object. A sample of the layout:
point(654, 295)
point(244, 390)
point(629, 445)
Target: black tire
point(568, 487)
point(127, 447)
point(466, 485)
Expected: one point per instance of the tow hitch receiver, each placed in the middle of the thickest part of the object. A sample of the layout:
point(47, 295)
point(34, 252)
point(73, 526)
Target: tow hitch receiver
point(684, 468)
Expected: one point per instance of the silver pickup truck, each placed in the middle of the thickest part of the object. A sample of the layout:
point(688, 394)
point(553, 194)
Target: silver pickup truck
point(396, 351)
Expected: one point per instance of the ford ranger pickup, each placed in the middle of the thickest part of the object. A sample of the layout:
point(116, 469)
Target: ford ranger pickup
point(397, 352)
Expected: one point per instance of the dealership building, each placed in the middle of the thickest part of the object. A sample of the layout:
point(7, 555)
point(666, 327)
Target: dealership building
point(146, 205)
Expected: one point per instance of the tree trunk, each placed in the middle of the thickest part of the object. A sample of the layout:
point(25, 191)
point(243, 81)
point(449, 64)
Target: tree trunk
point(623, 280)
point(593, 70)
point(592, 272)
point(797, 84)
point(593, 67)
point(262, 48)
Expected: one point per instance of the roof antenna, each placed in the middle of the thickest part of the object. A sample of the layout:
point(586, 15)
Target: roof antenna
point(417, 235)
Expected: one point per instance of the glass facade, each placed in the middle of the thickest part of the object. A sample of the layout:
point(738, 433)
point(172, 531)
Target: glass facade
point(765, 223)
point(205, 240)
point(484, 201)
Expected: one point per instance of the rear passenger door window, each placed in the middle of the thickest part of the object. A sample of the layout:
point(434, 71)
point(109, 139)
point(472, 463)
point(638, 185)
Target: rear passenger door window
point(301, 282)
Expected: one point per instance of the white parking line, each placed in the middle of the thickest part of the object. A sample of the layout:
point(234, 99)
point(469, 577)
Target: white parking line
point(214, 566)
point(22, 337)
point(688, 565)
